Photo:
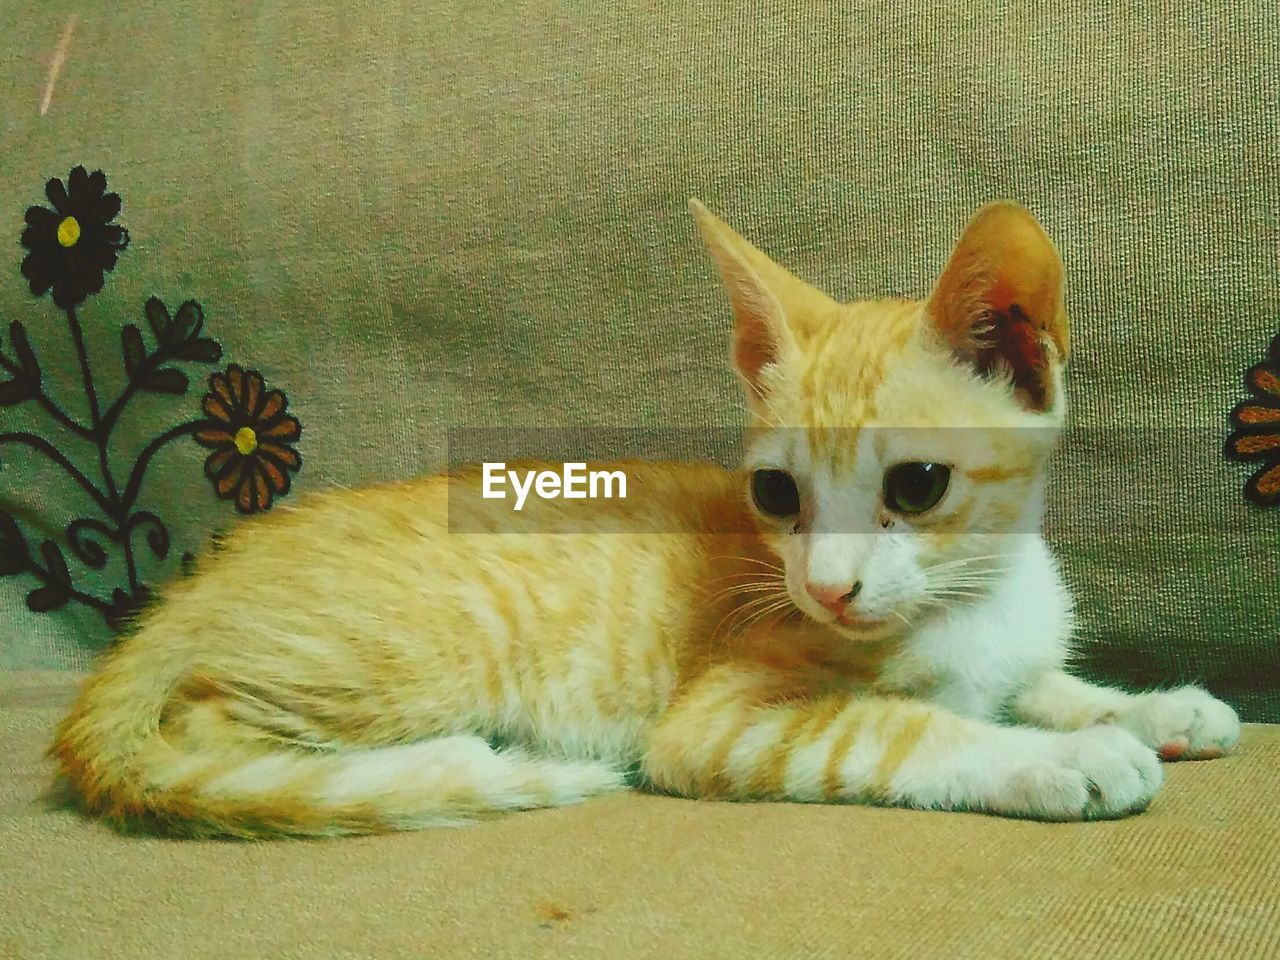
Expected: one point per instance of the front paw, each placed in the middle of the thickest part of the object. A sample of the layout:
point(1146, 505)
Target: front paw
point(1098, 773)
point(1183, 724)
point(1092, 774)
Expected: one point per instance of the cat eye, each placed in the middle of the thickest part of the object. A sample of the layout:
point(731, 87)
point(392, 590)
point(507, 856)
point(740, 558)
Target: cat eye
point(775, 493)
point(916, 486)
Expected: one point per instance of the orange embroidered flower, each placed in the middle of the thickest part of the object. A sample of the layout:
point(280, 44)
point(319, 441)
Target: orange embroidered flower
point(251, 436)
point(1257, 435)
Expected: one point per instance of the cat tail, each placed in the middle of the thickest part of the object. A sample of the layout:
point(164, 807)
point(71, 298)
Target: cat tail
point(211, 780)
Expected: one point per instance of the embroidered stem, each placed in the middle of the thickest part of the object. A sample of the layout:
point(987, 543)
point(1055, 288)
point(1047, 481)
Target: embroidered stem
point(50, 451)
point(132, 489)
point(79, 429)
point(47, 578)
point(131, 566)
point(135, 381)
point(95, 418)
point(118, 511)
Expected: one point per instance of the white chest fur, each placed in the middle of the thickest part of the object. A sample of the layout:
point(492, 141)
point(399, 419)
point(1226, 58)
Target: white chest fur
point(977, 655)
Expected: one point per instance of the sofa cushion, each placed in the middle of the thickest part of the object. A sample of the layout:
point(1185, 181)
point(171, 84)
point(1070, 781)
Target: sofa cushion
point(641, 876)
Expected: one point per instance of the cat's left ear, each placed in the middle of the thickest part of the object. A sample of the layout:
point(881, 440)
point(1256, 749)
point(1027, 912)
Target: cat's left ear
point(999, 301)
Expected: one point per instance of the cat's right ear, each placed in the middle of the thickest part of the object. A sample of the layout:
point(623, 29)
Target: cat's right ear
point(758, 291)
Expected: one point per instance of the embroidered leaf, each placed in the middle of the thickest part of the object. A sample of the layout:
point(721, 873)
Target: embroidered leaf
point(187, 322)
point(26, 356)
point(56, 563)
point(201, 350)
point(135, 353)
point(14, 392)
point(166, 380)
point(158, 317)
point(124, 607)
point(44, 599)
point(13, 547)
point(11, 533)
point(158, 541)
point(121, 608)
point(26, 381)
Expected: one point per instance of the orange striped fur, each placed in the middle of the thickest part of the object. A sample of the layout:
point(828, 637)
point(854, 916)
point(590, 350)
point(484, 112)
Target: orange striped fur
point(354, 666)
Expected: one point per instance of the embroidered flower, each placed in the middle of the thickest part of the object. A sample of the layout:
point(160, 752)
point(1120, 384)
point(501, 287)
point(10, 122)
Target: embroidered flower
point(251, 436)
point(1257, 434)
point(72, 245)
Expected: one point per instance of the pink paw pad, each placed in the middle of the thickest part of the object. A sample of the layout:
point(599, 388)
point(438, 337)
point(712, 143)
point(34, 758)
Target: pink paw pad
point(1174, 749)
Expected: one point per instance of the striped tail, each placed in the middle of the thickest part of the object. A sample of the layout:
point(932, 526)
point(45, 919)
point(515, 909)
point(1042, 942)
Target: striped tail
point(119, 767)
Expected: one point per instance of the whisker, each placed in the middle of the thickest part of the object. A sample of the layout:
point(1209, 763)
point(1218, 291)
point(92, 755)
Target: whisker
point(782, 615)
point(752, 610)
point(966, 576)
point(981, 556)
point(964, 561)
point(745, 588)
point(748, 573)
point(742, 610)
point(763, 563)
point(959, 596)
point(763, 601)
point(777, 584)
point(761, 614)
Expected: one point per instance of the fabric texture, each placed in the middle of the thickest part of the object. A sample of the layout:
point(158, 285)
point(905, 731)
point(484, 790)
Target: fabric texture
point(640, 876)
point(414, 216)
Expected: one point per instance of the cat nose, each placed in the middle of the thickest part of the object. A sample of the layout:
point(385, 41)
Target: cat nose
point(835, 598)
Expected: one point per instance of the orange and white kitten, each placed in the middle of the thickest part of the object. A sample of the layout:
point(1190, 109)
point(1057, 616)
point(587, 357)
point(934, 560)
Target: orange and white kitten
point(353, 666)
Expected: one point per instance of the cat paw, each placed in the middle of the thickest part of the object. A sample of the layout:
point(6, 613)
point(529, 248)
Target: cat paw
point(1098, 773)
point(1183, 724)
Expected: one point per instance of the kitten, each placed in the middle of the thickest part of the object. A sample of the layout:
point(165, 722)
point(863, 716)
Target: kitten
point(880, 601)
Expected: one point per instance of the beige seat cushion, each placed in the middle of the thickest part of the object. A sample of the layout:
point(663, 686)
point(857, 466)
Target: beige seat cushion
point(635, 876)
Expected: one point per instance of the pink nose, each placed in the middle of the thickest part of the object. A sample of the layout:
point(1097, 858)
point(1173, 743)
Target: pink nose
point(835, 598)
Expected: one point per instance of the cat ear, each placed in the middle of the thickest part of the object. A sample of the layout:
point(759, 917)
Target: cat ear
point(999, 301)
point(759, 291)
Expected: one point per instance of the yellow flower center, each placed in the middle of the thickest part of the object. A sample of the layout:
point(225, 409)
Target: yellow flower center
point(246, 440)
point(69, 232)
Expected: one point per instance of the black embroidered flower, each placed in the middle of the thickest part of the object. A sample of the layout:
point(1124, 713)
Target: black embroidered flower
point(72, 245)
point(251, 436)
point(1257, 435)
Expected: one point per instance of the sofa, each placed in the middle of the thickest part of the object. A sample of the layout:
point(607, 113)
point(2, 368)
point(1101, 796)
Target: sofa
point(412, 220)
